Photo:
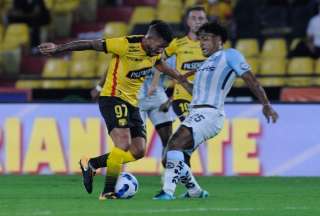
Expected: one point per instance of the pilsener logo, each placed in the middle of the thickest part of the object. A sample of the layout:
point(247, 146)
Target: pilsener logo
point(137, 74)
point(191, 65)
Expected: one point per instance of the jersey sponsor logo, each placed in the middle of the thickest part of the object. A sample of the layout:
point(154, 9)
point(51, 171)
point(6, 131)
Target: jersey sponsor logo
point(191, 65)
point(137, 74)
point(208, 68)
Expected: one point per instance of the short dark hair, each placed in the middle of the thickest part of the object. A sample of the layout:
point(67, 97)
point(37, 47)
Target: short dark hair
point(162, 29)
point(194, 8)
point(187, 13)
point(214, 28)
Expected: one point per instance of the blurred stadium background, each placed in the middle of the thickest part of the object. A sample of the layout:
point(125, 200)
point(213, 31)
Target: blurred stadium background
point(48, 121)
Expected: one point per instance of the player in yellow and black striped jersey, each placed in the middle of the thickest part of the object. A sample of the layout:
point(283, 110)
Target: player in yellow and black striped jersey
point(189, 57)
point(133, 58)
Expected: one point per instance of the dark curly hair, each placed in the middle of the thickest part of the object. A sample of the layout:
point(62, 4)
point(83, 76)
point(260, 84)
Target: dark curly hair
point(214, 28)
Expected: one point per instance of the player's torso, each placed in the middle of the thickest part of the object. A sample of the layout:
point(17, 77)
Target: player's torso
point(126, 73)
point(213, 81)
point(188, 57)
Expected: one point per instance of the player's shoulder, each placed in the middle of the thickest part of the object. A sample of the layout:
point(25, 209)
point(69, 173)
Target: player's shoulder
point(180, 40)
point(232, 53)
point(134, 38)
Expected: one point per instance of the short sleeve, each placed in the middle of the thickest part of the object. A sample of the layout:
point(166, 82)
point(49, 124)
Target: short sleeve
point(171, 49)
point(237, 62)
point(118, 46)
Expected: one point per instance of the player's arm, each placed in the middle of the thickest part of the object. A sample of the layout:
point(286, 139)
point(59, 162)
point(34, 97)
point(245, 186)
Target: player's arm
point(95, 92)
point(259, 92)
point(80, 45)
point(165, 68)
point(188, 86)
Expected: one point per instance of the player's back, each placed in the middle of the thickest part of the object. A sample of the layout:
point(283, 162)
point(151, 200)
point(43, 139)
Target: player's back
point(216, 76)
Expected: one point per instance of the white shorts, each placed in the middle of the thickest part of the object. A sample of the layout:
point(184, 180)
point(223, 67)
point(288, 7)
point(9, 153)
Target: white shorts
point(149, 107)
point(205, 123)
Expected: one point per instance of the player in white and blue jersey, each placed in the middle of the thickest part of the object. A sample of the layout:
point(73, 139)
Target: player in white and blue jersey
point(212, 83)
point(152, 95)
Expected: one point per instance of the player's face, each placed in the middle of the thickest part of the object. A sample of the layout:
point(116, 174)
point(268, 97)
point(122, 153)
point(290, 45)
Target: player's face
point(155, 46)
point(196, 19)
point(209, 43)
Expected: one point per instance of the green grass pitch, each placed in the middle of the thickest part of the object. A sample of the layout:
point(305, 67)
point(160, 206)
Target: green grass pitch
point(229, 196)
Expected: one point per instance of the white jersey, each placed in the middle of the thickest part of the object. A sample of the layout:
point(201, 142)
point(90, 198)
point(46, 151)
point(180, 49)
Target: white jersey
point(159, 94)
point(214, 79)
point(149, 105)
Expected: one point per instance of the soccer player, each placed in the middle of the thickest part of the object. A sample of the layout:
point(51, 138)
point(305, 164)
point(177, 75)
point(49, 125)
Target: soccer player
point(188, 58)
point(151, 97)
point(133, 58)
point(213, 80)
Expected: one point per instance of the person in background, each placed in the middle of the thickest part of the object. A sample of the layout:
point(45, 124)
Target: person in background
point(309, 46)
point(32, 12)
point(313, 35)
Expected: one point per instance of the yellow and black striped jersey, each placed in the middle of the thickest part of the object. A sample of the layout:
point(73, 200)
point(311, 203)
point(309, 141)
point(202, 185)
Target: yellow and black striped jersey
point(189, 57)
point(128, 67)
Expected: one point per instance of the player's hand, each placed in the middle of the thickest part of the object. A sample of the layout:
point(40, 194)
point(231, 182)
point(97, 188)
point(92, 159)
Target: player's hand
point(151, 90)
point(270, 113)
point(165, 106)
point(48, 48)
point(94, 94)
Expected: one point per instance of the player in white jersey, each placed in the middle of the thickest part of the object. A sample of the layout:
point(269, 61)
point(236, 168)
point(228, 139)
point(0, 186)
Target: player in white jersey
point(212, 83)
point(152, 96)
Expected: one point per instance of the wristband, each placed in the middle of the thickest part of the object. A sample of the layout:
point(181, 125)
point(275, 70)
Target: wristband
point(98, 88)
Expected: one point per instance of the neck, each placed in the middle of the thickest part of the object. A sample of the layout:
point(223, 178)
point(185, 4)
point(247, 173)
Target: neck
point(143, 44)
point(217, 50)
point(192, 36)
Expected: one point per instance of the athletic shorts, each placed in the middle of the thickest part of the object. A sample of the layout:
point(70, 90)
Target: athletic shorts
point(149, 107)
point(205, 123)
point(118, 113)
point(181, 108)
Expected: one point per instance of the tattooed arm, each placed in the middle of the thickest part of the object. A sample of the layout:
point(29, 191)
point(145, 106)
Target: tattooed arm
point(51, 48)
point(259, 92)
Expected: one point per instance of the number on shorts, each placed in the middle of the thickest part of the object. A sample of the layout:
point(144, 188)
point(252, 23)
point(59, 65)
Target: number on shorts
point(184, 107)
point(121, 111)
point(198, 117)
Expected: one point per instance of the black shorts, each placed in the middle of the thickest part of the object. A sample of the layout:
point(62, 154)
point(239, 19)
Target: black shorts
point(118, 113)
point(181, 108)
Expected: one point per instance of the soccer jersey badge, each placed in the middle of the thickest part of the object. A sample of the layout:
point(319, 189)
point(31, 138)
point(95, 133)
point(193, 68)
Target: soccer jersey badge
point(122, 122)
